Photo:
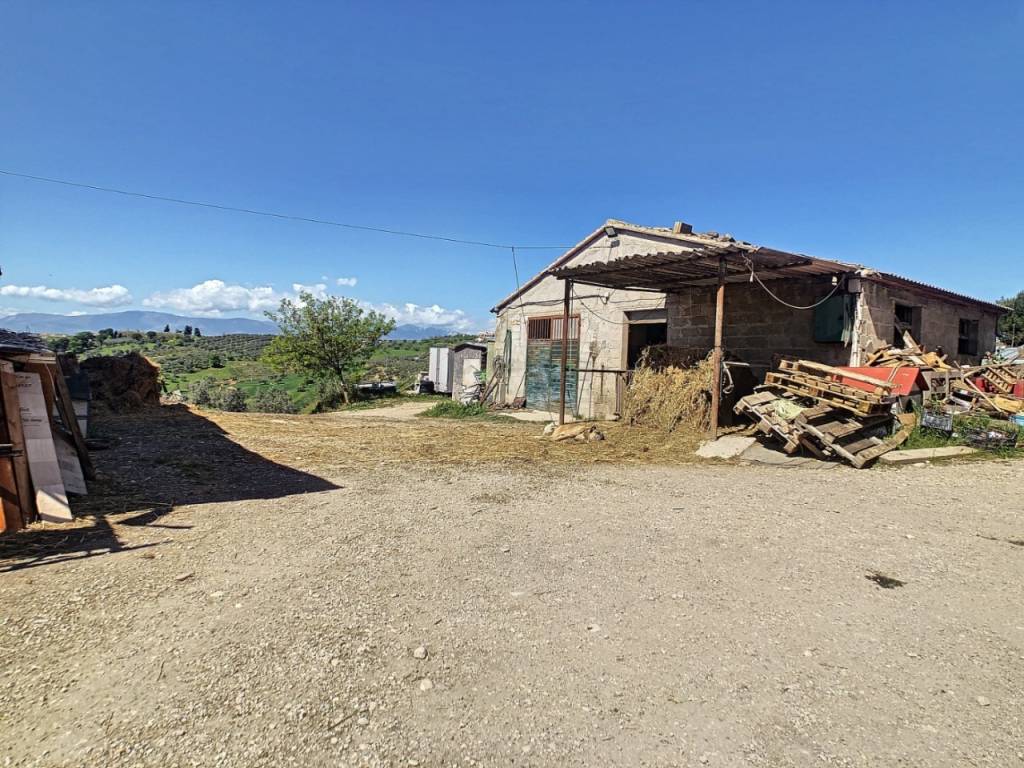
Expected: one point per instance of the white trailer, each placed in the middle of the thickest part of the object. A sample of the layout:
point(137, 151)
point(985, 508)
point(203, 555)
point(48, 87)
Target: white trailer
point(439, 369)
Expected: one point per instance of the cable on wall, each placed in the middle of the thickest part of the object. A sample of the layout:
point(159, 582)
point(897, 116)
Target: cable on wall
point(753, 276)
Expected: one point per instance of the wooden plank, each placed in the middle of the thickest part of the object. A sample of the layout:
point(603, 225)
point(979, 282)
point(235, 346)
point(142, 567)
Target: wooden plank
point(16, 436)
point(832, 371)
point(862, 444)
point(67, 413)
point(10, 501)
point(50, 496)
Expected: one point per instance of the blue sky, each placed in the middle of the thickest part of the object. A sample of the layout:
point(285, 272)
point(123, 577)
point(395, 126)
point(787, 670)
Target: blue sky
point(888, 134)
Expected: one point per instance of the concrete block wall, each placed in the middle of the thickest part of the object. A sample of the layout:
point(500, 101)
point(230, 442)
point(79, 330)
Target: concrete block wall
point(939, 320)
point(757, 328)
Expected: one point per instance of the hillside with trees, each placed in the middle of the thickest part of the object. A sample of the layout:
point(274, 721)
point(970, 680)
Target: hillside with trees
point(205, 369)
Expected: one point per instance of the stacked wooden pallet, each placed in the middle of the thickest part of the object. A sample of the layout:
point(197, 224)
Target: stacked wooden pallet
point(816, 407)
point(802, 378)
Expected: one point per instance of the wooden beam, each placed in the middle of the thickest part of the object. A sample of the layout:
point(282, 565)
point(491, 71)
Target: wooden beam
point(565, 349)
point(716, 355)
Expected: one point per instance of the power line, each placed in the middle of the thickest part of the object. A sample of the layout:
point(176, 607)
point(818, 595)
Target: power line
point(275, 215)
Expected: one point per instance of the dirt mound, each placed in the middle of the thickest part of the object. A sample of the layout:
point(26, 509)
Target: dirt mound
point(123, 383)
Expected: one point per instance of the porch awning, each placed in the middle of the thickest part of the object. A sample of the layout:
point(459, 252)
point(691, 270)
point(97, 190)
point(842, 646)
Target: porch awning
point(669, 271)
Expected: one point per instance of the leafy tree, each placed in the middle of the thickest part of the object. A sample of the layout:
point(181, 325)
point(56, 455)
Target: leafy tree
point(58, 344)
point(188, 330)
point(106, 333)
point(82, 342)
point(167, 328)
point(150, 335)
point(215, 361)
point(195, 332)
point(330, 339)
point(1011, 325)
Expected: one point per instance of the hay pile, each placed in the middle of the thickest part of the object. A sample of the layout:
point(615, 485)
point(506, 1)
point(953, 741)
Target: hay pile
point(670, 388)
point(123, 383)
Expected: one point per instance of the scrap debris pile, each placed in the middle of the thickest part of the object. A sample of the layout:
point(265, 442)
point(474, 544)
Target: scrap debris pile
point(43, 454)
point(911, 354)
point(829, 411)
point(859, 414)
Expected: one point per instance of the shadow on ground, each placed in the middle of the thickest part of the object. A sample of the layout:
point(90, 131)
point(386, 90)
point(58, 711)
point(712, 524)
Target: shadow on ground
point(157, 459)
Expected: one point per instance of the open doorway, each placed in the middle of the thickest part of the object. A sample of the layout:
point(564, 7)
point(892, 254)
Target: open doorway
point(906, 319)
point(646, 328)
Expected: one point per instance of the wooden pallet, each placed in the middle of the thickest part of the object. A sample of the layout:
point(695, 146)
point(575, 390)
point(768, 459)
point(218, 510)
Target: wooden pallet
point(835, 394)
point(999, 378)
point(824, 430)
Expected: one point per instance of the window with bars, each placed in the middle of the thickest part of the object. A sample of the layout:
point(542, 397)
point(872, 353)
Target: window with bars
point(550, 328)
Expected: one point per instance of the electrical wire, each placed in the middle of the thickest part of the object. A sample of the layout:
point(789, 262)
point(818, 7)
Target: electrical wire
point(275, 215)
point(768, 290)
point(599, 317)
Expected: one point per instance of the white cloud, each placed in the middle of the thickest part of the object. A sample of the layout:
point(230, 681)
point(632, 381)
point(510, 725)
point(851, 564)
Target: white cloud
point(349, 281)
point(106, 296)
point(212, 297)
point(319, 290)
point(418, 314)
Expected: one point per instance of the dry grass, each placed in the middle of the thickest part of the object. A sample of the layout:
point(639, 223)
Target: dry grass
point(669, 392)
point(326, 441)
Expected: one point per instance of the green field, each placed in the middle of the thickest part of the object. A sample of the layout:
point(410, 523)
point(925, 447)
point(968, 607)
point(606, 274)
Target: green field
point(234, 361)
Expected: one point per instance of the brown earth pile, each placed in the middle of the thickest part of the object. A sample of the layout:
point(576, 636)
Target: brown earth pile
point(123, 383)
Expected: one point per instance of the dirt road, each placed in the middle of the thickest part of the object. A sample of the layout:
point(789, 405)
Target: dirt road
point(526, 614)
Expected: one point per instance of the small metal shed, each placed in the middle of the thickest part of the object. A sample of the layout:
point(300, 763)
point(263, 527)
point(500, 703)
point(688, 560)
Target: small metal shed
point(468, 360)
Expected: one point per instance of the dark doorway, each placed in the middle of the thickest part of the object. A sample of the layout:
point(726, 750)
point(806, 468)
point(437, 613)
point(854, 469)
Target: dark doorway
point(906, 319)
point(641, 336)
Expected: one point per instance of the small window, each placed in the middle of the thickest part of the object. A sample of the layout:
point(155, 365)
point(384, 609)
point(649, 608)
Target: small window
point(550, 328)
point(967, 343)
point(539, 328)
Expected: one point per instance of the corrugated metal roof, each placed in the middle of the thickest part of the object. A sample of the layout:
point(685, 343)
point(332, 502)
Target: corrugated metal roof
point(652, 271)
point(906, 282)
point(668, 271)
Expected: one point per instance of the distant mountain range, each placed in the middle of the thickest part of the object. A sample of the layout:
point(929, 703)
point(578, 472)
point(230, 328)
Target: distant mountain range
point(42, 322)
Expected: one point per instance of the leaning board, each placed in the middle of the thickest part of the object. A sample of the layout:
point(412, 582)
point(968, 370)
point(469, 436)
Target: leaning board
point(51, 498)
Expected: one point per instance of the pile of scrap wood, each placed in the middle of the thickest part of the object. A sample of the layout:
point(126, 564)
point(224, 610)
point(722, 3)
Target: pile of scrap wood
point(994, 389)
point(911, 354)
point(43, 455)
point(830, 412)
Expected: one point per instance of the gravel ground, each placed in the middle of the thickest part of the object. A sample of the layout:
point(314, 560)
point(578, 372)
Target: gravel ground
point(442, 615)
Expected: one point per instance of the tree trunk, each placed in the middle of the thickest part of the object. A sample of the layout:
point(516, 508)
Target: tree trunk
point(344, 389)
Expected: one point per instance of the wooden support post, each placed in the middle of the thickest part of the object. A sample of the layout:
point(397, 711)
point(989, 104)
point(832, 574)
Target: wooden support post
point(565, 350)
point(716, 356)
